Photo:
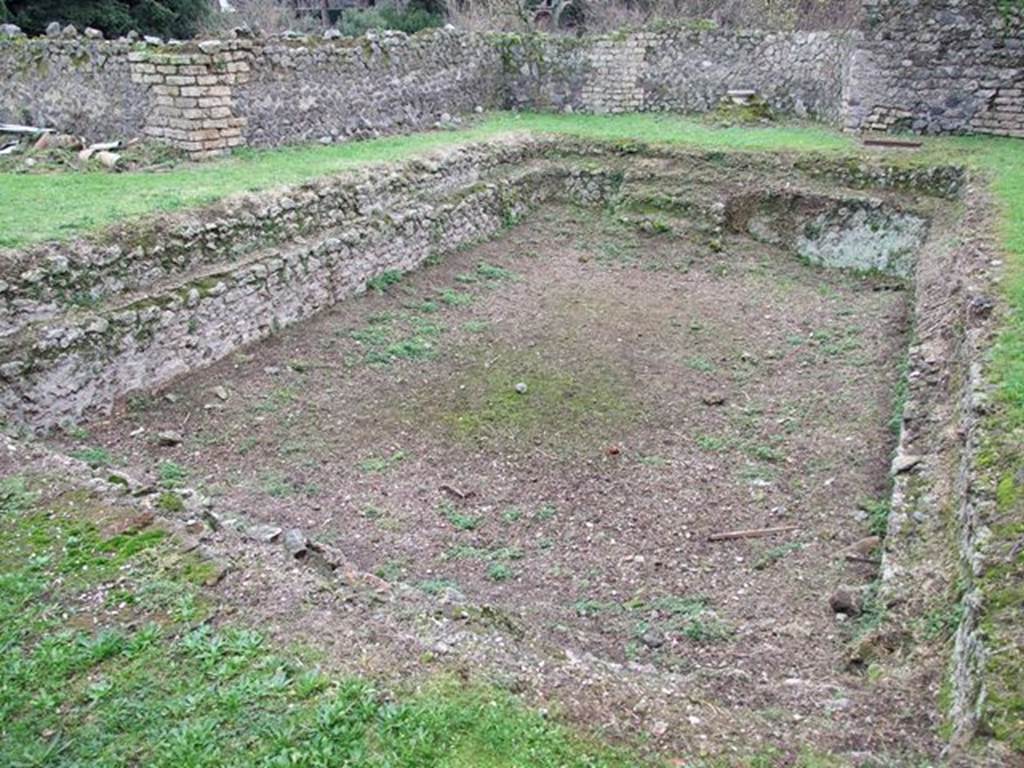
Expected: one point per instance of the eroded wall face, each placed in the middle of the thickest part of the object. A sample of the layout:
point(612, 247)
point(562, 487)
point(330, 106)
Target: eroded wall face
point(679, 71)
point(364, 87)
point(938, 66)
point(76, 83)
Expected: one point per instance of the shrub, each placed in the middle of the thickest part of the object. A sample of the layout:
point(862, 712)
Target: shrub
point(357, 21)
point(167, 18)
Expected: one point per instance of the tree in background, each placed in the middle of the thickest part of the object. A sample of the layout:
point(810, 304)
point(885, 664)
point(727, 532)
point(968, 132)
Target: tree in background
point(166, 18)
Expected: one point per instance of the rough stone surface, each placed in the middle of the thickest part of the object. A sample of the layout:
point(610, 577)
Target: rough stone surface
point(937, 67)
point(81, 85)
point(680, 70)
point(365, 86)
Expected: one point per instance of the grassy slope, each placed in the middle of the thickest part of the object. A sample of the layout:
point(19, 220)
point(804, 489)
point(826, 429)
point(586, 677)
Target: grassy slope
point(1003, 465)
point(34, 208)
point(38, 207)
point(151, 684)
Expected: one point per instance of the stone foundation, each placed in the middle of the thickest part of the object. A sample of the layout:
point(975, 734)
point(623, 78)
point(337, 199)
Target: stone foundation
point(87, 322)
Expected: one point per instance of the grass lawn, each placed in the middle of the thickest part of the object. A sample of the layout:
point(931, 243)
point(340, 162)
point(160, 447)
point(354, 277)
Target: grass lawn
point(158, 695)
point(150, 684)
point(39, 207)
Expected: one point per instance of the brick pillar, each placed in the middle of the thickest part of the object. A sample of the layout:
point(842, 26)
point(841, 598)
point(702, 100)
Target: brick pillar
point(191, 94)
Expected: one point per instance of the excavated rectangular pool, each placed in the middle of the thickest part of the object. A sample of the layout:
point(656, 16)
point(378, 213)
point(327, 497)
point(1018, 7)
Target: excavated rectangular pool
point(611, 426)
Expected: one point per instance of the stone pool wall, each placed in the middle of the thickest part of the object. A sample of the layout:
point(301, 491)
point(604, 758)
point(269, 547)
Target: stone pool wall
point(86, 322)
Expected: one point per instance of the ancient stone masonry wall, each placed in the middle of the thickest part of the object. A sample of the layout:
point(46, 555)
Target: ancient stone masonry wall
point(79, 83)
point(939, 66)
point(44, 281)
point(93, 320)
point(379, 83)
point(679, 70)
point(934, 66)
point(87, 322)
point(191, 93)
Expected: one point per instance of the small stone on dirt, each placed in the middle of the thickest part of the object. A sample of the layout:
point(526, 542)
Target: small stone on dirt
point(169, 438)
point(220, 392)
point(296, 543)
point(264, 533)
point(653, 637)
point(904, 462)
point(195, 526)
point(848, 601)
point(521, 388)
point(713, 398)
point(865, 546)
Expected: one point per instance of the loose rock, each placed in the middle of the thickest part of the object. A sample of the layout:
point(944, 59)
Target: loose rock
point(296, 543)
point(905, 462)
point(848, 601)
point(653, 637)
point(265, 533)
point(170, 438)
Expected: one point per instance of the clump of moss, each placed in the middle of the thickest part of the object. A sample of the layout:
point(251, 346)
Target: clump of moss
point(524, 399)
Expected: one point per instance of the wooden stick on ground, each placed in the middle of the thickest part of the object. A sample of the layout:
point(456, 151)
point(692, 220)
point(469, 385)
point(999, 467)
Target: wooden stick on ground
point(752, 533)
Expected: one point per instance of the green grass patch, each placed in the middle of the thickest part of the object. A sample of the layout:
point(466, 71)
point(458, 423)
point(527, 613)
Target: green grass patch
point(461, 520)
point(772, 555)
point(171, 474)
point(384, 280)
point(486, 271)
point(94, 457)
point(380, 464)
point(568, 409)
point(152, 685)
point(80, 202)
point(453, 298)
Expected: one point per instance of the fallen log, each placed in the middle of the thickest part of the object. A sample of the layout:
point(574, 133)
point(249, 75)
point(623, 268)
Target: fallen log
point(752, 533)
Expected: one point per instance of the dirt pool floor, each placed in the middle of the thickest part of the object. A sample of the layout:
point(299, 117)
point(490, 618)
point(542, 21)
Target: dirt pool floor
point(531, 443)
